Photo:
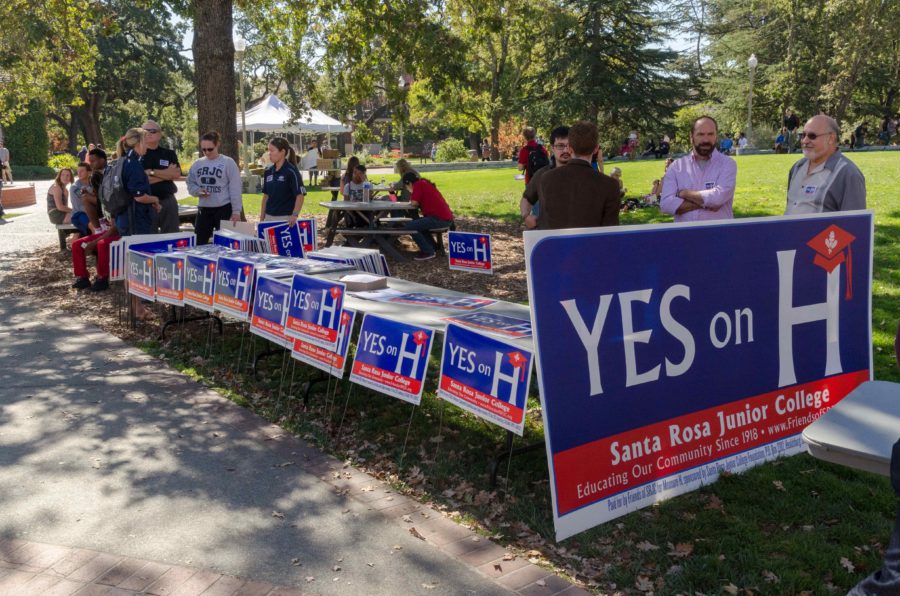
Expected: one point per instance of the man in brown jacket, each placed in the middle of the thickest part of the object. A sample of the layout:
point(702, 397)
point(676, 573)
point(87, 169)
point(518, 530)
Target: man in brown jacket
point(577, 196)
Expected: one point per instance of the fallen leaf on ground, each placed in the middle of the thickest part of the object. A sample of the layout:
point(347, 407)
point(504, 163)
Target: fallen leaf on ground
point(645, 546)
point(508, 557)
point(848, 565)
point(430, 586)
point(644, 584)
point(296, 562)
point(310, 578)
point(416, 533)
point(278, 514)
point(681, 550)
point(778, 485)
point(731, 588)
point(769, 576)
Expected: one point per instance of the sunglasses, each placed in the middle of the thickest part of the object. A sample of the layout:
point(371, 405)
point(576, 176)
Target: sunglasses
point(151, 131)
point(811, 135)
point(207, 149)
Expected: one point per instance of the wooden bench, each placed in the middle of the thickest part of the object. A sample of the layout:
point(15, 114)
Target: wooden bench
point(64, 230)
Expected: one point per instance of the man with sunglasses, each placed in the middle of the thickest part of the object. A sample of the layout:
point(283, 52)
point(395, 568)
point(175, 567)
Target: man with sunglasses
point(162, 167)
point(824, 180)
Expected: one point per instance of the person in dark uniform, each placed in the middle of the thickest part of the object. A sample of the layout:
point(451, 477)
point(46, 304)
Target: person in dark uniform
point(162, 168)
point(283, 190)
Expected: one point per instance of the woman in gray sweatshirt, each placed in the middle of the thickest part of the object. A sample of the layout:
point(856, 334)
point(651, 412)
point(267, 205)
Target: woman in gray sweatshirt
point(216, 179)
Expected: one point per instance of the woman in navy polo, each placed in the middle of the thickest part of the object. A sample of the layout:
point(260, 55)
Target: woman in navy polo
point(283, 190)
point(138, 218)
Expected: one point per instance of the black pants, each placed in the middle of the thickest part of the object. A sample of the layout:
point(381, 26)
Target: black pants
point(167, 218)
point(209, 219)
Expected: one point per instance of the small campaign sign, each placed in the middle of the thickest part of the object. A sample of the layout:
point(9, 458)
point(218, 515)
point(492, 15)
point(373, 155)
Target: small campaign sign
point(439, 301)
point(200, 280)
point(710, 357)
point(330, 361)
point(486, 376)
point(170, 278)
point(308, 234)
point(495, 323)
point(392, 357)
point(270, 308)
point(140, 274)
point(234, 286)
point(284, 240)
point(470, 252)
point(314, 310)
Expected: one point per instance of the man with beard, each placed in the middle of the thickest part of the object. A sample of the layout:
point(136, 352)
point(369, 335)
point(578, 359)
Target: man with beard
point(700, 185)
point(529, 205)
point(824, 180)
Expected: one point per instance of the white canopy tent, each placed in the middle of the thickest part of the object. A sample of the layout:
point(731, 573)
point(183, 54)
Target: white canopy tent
point(273, 115)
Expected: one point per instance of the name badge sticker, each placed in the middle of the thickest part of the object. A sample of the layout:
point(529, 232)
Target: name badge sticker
point(709, 185)
point(809, 189)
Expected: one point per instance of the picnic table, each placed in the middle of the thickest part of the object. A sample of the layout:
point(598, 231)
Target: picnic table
point(379, 229)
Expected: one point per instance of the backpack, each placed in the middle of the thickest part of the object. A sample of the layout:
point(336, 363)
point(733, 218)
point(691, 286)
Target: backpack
point(113, 196)
point(537, 159)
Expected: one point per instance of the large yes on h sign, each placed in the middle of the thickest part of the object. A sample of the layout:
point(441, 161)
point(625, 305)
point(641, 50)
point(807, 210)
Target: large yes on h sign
point(485, 376)
point(392, 357)
point(708, 349)
point(234, 286)
point(314, 310)
point(470, 252)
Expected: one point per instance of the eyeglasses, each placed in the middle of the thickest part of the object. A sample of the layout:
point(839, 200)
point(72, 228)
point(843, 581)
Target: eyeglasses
point(207, 149)
point(812, 136)
point(151, 131)
point(561, 146)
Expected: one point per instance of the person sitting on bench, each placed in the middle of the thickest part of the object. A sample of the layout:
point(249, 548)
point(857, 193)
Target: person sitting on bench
point(436, 213)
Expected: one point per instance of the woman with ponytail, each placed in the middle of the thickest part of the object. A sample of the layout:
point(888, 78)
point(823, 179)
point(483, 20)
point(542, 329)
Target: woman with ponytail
point(283, 190)
point(138, 217)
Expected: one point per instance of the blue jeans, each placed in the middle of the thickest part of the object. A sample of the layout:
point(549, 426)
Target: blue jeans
point(424, 224)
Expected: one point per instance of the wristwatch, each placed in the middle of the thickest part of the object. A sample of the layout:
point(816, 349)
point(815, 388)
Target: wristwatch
point(153, 172)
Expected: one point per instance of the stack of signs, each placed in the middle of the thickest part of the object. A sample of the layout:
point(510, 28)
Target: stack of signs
point(329, 361)
point(314, 310)
point(273, 289)
point(234, 285)
point(117, 260)
point(485, 376)
point(289, 241)
point(364, 259)
point(140, 274)
point(469, 303)
point(200, 276)
point(392, 357)
point(494, 323)
point(309, 266)
point(470, 252)
point(170, 277)
point(146, 243)
point(237, 241)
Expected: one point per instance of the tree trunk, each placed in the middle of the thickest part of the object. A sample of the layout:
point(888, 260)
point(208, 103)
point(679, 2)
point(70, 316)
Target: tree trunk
point(495, 136)
point(214, 76)
point(88, 116)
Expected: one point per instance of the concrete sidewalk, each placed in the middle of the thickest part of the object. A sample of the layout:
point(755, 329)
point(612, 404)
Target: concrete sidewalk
point(105, 448)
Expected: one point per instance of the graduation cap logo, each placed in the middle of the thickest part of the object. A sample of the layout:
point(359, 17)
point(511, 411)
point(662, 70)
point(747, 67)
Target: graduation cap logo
point(829, 246)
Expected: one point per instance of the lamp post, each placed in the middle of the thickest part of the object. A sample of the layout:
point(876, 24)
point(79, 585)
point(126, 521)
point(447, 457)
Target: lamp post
point(752, 62)
point(403, 84)
point(240, 46)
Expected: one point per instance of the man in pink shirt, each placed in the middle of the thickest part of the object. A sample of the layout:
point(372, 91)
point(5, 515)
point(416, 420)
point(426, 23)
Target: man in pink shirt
point(700, 185)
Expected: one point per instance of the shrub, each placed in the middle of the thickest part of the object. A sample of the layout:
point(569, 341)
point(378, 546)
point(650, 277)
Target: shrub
point(452, 150)
point(33, 173)
point(63, 160)
point(27, 139)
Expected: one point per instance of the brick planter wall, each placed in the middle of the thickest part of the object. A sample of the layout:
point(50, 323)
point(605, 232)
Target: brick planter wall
point(17, 196)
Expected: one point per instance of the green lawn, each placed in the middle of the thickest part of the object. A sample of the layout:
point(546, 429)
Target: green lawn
point(785, 527)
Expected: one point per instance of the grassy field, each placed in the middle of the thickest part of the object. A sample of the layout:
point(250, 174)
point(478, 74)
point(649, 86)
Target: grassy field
point(787, 527)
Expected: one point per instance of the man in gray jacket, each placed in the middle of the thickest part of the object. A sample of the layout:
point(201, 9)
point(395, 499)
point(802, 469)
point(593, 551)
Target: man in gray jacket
point(824, 180)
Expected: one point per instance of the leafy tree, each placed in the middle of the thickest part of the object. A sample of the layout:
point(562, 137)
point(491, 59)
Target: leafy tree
point(42, 48)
